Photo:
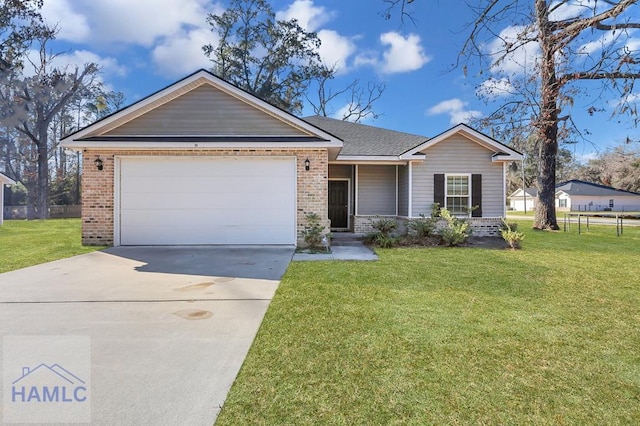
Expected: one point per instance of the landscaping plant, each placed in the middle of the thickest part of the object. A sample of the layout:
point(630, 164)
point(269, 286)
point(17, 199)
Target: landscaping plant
point(313, 232)
point(511, 235)
point(455, 230)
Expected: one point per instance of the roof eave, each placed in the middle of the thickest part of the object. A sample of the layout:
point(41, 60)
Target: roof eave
point(123, 145)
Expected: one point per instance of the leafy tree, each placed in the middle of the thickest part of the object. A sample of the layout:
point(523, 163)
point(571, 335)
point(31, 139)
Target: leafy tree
point(574, 41)
point(20, 23)
point(618, 167)
point(275, 60)
point(278, 61)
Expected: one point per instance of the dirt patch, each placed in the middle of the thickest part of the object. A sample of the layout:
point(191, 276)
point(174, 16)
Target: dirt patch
point(193, 314)
point(194, 287)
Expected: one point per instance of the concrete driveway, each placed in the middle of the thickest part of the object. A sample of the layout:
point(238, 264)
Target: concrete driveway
point(169, 327)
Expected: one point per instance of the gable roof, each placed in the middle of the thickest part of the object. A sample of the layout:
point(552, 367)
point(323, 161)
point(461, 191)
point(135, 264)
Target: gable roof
point(580, 187)
point(96, 134)
point(6, 180)
point(501, 151)
point(364, 140)
point(531, 192)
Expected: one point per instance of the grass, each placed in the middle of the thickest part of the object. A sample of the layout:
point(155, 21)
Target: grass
point(546, 335)
point(26, 243)
point(529, 213)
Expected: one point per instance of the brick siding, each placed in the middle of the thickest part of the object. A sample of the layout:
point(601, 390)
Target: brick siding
point(98, 185)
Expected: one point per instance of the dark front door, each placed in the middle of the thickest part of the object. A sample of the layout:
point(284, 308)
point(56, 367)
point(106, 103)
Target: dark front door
point(339, 203)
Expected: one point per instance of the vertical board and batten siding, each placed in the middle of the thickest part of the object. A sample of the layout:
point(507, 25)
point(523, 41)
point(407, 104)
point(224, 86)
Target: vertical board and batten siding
point(403, 190)
point(459, 155)
point(376, 190)
point(206, 111)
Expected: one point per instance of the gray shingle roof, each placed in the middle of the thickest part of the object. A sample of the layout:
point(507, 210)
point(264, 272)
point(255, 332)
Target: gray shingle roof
point(579, 187)
point(362, 140)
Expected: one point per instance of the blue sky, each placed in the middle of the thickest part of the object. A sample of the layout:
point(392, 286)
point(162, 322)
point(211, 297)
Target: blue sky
point(144, 45)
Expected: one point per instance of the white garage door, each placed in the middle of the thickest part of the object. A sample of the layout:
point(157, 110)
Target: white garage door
point(206, 200)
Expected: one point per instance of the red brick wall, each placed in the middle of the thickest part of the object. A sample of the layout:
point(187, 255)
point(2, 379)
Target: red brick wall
point(98, 185)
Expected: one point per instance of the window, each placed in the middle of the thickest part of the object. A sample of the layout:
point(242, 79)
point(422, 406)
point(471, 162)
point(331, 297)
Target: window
point(611, 203)
point(562, 202)
point(458, 194)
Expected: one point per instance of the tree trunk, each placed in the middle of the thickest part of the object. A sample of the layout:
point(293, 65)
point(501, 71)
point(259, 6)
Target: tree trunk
point(545, 217)
point(43, 174)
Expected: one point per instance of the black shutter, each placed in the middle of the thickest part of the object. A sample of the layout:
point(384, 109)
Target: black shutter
point(476, 195)
point(438, 190)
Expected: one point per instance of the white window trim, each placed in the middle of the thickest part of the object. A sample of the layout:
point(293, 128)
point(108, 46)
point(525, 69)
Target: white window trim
point(446, 186)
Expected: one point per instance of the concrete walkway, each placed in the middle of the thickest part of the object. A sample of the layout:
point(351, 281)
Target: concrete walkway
point(344, 246)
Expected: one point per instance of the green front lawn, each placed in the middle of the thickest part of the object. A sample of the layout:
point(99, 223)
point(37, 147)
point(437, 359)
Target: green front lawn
point(26, 243)
point(546, 335)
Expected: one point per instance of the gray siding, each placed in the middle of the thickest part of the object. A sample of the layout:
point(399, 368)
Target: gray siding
point(376, 190)
point(206, 111)
point(340, 171)
point(403, 190)
point(459, 155)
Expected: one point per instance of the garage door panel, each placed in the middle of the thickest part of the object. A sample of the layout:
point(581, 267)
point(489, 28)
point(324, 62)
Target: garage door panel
point(180, 201)
point(203, 185)
point(207, 200)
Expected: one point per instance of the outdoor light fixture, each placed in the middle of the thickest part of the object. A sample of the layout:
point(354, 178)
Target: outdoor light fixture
point(98, 163)
point(307, 164)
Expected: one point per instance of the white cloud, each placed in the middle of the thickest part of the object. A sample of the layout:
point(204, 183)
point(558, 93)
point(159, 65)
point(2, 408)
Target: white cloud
point(182, 53)
point(403, 54)
point(335, 49)
point(495, 88)
point(73, 26)
point(77, 58)
point(596, 45)
point(518, 61)
point(139, 22)
point(309, 16)
point(574, 9)
point(456, 109)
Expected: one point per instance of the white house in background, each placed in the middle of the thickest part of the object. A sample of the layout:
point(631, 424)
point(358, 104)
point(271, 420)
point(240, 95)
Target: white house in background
point(577, 195)
point(4, 180)
point(521, 198)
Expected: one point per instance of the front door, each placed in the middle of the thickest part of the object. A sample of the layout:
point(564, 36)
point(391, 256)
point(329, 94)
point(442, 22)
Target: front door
point(339, 203)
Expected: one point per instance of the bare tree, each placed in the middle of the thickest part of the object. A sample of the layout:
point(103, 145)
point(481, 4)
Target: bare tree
point(573, 41)
point(29, 104)
point(359, 100)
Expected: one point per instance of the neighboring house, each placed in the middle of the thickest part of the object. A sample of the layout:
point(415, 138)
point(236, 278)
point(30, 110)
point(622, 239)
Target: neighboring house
point(4, 180)
point(577, 195)
point(521, 198)
point(204, 162)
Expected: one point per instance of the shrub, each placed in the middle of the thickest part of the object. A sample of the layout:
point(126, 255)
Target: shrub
point(385, 225)
point(435, 210)
point(382, 235)
point(313, 232)
point(455, 231)
point(511, 235)
point(422, 227)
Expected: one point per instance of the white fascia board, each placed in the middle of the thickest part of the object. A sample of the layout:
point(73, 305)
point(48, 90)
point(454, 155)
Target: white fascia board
point(184, 86)
point(472, 134)
point(506, 158)
point(6, 180)
point(375, 159)
point(80, 145)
